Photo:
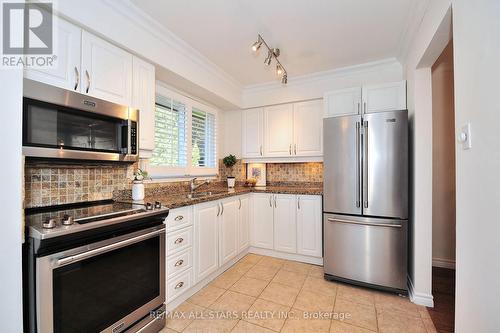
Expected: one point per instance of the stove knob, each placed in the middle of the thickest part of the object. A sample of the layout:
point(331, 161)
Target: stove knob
point(149, 206)
point(49, 223)
point(67, 220)
point(157, 204)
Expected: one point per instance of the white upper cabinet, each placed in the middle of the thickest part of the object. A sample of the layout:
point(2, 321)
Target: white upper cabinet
point(206, 256)
point(228, 230)
point(278, 130)
point(244, 223)
point(384, 97)
point(309, 225)
point(143, 98)
point(366, 99)
point(262, 228)
point(106, 70)
point(285, 228)
point(66, 73)
point(308, 128)
point(252, 132)
point(342, 102)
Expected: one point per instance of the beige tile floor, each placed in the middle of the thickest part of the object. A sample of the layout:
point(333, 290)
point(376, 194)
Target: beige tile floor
point(265, 294)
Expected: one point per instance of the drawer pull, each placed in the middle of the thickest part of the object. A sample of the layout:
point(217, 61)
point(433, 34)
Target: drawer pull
point(179, 240)
point(179, 263)
point(179, 218)
point(179, 285)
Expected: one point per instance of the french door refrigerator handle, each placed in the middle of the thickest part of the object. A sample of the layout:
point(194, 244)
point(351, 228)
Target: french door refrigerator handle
point(365, 166)
point(358, 167)
point(365, 223)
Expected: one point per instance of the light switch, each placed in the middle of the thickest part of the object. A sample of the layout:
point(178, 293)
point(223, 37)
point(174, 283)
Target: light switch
point(464, 137)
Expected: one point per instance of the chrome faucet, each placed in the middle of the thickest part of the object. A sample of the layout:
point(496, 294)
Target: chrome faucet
point(193, 186)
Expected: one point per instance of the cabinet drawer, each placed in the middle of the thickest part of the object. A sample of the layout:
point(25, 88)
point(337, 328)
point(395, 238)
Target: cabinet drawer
point(179, 285)
point(179, 262)
point(179, 240)
point(179, 218)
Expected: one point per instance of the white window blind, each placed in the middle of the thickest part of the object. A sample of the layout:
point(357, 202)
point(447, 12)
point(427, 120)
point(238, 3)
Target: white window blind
point(170, 133)
point(203, 139)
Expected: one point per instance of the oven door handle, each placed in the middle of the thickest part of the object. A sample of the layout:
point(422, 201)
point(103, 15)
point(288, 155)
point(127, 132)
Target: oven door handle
point(107, 248)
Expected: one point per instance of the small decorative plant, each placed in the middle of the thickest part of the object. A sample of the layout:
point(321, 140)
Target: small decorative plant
point(229, 160)
point(140, 175)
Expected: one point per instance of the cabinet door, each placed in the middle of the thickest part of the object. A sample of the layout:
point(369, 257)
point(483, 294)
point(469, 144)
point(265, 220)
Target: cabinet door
point(343, 102)
point(205, 245)
point(106, 70)
point(66, 73)
point(278, 130)
point(143, 79)
point(262, 228)
point(228, 230)
point(308, 128)
point(285, 227)
point(384, 97)
point(253, 132)
point(243, 223)
point(309, 225)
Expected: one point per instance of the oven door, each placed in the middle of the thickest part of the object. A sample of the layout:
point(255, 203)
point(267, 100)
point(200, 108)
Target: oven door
point(102, 287)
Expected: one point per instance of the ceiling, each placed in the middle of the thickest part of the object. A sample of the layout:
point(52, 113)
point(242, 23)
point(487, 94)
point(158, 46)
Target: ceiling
point(313, 35)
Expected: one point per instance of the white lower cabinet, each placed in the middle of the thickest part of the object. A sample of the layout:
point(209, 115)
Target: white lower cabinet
point(309, 225)
point(228, 230)
point(206, 250)
point(285, 229)
point(244, 223)
point(262, 228)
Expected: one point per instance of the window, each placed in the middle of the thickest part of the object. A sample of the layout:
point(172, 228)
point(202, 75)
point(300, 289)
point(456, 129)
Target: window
point(185, 137)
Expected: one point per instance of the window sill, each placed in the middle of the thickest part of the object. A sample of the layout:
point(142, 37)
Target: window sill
point(172, 179)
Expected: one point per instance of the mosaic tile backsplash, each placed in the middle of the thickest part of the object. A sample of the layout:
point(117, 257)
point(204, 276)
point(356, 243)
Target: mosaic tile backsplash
point(53, 183)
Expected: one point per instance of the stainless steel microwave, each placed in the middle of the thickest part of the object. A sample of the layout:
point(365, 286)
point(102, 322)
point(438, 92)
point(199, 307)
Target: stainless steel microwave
point(58, 123)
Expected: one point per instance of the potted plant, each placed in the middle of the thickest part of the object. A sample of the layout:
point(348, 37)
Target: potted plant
point(138, 185)
point(229, 161)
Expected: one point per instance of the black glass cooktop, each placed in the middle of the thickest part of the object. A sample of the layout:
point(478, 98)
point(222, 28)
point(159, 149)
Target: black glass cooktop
point(83, 213)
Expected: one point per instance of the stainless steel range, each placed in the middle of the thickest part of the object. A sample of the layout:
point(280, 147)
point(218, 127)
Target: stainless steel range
point(96, 267)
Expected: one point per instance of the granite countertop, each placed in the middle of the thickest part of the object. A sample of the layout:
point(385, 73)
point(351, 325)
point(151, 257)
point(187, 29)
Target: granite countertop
point(176, 200)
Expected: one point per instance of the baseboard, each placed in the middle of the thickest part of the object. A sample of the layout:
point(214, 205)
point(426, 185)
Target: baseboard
point(287, 256)
point(443, 263)
point(419, 298)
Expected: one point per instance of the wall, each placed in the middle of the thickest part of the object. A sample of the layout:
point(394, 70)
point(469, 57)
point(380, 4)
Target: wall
point(443, 161)
point(429, 36)
point(476, 31)
point(11, 312)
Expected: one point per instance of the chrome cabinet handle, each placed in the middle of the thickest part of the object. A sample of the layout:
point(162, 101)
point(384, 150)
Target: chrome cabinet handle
point(358, 167)
point(290, 149)
point(275, 202)
point(365, 223)
point(222, 205)
point(88, 81)
point(240, 204)
point(179, 240)
point(260, 150)
point(218, 209)
point(179, 285)
point(179, 263)
point(365, 167)
point(179, 218)
point(364, 106)
point(270, 201)
point(359, 105)
point(77, 78)
point(298, 202)
point(295, 148)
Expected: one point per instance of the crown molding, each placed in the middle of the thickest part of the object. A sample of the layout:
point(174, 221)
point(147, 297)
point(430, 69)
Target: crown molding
point(324, 75)
point(134, 14)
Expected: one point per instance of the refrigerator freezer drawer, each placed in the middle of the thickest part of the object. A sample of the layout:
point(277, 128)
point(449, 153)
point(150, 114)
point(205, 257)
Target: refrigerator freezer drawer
point(368, 250)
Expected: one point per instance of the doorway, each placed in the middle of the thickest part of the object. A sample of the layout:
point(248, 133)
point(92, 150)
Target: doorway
point(443, 192)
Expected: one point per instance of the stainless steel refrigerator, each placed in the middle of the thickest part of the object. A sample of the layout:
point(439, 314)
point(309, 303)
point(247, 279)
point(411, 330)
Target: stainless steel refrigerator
point(365, 199)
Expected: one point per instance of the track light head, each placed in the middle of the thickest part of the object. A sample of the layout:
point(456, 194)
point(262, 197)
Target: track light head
point(256, 45)
point(279, 70)
point(284, 79)
point(267, 61)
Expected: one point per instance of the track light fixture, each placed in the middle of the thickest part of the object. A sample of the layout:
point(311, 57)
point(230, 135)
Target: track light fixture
point(271, 53)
